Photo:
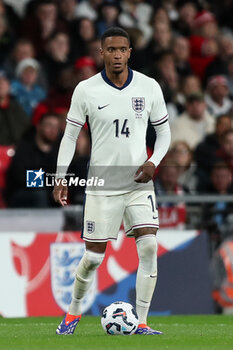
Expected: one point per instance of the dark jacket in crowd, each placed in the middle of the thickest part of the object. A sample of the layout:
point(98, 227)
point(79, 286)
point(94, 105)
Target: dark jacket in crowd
point(28, 156)
point(13, 122)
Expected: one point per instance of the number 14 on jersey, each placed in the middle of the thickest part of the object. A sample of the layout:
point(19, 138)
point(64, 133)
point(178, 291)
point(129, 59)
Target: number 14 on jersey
point(124, 128)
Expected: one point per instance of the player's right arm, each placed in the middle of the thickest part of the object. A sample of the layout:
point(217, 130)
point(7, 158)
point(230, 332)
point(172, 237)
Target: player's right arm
point(75, 120)
point(65, 156)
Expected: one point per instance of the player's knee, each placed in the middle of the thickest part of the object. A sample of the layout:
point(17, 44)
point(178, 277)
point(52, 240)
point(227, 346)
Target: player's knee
point(147, 253)
point(147, 246)
point(92, 260)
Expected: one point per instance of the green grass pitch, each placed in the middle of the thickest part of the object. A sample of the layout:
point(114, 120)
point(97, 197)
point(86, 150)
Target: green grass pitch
point(214, 332)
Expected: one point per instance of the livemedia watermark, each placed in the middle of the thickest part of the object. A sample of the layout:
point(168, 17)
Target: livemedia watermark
point(39, 178)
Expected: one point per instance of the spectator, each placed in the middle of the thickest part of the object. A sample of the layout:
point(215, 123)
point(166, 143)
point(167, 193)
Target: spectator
point(226, 151)
point(60, 94)
point(22, 49)
point(187, 11)
point(89, 9)
point(56, 57)
point(93, 50)
point(136, 14)
point(215, 215)
point(8, 12)
point(82, 33)
point(13, 119)
point(225, 51)
point(221, 179)
point(168, 79)
point(109, 13)
point(181, 52)
point(182, 155)
point(67, 10)
point(38, 151)
point(170, 214)
point(171, 8)
point(6, 39)
point(160, 15)
point(187, 85)
point(43, 23)
point(26, 89)
point(138, 54)
point(162, 35)
point(161, 41)
point(203, 42)
point(166, 72)
point(205, 25)
point(84, 68)
point(194, 123)
point(206, 153)
point(217, 96)
point(191, 83)
point(59, 97)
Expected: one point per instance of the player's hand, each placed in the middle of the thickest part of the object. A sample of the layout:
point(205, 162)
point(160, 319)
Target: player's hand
point(60, 193)
point(145, 172)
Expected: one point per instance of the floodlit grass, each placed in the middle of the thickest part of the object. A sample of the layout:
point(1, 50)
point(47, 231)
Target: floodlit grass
point(213, 332)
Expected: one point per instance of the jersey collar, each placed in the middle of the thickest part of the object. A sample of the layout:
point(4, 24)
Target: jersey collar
point(109, 82)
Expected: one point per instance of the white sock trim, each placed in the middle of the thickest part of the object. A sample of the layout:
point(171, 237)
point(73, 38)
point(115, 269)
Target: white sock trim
point(138, 239)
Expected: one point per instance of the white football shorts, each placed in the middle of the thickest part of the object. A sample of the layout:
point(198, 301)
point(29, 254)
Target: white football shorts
point(103, 214)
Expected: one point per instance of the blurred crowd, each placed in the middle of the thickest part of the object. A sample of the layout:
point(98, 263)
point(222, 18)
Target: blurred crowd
point(48, 46)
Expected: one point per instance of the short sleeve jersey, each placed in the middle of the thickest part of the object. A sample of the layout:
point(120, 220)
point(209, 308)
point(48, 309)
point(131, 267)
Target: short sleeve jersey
point(118, 117)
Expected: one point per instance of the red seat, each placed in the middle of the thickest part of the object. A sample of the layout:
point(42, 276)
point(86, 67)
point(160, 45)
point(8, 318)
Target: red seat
point(6, 154)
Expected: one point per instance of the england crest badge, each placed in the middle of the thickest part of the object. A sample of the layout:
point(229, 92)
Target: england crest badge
point(90, 226)
point(64, 259)
point(138, 104)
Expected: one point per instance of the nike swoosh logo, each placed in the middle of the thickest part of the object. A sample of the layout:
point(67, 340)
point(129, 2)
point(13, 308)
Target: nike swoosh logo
point(101, 107)
point(155, 217)
point(153, 276)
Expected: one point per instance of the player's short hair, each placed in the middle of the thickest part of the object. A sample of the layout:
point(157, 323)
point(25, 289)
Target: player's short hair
point(114, 31)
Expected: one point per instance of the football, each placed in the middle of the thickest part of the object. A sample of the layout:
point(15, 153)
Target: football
point(119, 318)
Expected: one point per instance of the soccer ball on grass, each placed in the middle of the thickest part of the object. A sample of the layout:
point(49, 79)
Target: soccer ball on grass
point(119, 318)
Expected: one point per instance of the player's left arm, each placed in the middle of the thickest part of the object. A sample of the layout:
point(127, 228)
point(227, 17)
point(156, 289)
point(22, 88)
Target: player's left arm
point(159, 120)
point(163, 138)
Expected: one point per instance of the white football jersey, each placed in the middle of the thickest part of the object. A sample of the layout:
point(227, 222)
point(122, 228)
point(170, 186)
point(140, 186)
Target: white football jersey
point(118, 118)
